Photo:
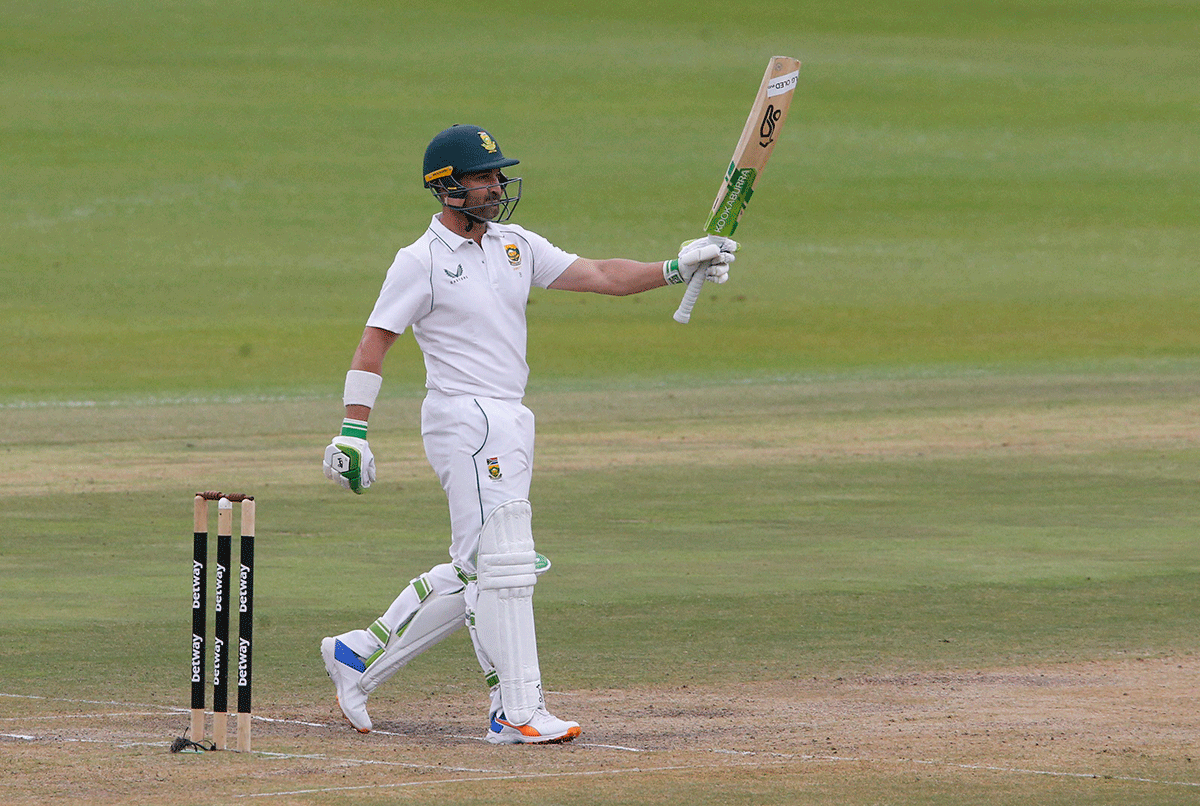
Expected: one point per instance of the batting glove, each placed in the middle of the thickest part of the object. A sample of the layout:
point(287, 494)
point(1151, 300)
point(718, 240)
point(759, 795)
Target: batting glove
point(712, 256)
point(348, 458)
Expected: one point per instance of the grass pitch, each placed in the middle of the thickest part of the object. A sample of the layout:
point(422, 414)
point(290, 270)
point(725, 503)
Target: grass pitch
point(907, 514)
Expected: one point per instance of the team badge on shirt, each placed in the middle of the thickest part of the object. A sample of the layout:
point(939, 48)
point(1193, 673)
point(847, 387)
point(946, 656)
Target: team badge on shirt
point(514, 254)
point(493, 468)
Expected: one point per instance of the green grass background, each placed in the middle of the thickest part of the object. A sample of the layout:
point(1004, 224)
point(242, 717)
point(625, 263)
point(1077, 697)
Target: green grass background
point(198, 203)
point(206, 196)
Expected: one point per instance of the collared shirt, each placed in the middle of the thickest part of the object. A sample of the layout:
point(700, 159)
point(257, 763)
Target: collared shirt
point(466, 305)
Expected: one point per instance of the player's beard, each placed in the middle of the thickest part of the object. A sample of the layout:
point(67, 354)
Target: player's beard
point(489, 206)
point(495, 202)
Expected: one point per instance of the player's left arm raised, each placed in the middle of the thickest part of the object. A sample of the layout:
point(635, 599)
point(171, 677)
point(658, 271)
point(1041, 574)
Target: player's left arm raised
point(620, 277)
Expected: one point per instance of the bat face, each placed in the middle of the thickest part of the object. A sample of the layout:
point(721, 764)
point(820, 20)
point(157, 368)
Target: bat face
point(781, 85)
point(755, 145)
point(731, 203)
point(783, 75)
point(766, 132)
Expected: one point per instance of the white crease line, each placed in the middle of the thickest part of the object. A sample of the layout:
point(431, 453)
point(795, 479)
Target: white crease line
point(166, 710)
point(1052, 773)
point(98, 714)
point(953, 765)
point(290, 721)
point(112, 743)
point(170, 709)
point(94, 702)
point(314, 756)
point(369, 762)
point(511, 777)
point(780, 756)
point(573, 744)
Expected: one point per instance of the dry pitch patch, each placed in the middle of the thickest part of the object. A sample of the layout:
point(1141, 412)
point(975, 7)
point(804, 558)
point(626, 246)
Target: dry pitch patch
point(1123, 726)
point(1128, 723)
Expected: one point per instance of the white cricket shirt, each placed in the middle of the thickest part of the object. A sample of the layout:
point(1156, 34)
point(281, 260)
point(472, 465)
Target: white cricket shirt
point(466, 305)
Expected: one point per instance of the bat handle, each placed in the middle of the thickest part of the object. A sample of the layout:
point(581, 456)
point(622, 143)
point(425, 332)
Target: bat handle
point(684, 312)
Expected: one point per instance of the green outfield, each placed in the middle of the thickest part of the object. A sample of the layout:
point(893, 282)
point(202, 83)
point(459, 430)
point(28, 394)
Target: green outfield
point(937, 440)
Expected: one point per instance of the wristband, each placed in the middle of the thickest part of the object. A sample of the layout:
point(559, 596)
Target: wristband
point(354, 428)
point(671, 272)
point(361, 388)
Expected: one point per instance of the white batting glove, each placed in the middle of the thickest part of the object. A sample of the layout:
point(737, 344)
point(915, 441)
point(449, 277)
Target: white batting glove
point(711, 257)
point(348, 458)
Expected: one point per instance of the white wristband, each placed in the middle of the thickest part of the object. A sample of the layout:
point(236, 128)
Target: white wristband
point(361, 388)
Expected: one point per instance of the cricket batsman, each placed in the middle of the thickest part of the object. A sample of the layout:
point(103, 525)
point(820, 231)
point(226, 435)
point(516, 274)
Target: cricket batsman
point(462, 287)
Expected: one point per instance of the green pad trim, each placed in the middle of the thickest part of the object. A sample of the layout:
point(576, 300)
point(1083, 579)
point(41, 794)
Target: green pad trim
point(380, 631)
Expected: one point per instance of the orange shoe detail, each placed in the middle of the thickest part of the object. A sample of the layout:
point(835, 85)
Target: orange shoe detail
point(527, 730)
point(348, 722)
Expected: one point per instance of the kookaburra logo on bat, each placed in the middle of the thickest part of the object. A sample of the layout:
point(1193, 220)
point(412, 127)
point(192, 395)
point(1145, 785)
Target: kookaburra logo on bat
point(766, 130)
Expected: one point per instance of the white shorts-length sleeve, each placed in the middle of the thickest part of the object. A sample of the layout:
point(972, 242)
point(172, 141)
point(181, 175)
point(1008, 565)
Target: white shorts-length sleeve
point(406, 296)
point(548, 260)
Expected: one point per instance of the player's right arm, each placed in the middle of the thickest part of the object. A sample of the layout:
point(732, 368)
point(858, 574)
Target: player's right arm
point(368, 357)
point(619, 277)
point(348, 458)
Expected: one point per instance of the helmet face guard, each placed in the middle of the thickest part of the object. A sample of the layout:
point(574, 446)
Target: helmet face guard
point(449, 191)
point(462, 150)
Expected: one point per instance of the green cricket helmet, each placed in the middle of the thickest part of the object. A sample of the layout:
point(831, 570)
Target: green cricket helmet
point(464, 149)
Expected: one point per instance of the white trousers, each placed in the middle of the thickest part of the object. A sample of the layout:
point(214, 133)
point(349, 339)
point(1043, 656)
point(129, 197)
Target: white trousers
point(482, 452)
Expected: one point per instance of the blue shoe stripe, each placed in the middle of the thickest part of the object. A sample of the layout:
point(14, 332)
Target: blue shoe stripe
point(345, 654)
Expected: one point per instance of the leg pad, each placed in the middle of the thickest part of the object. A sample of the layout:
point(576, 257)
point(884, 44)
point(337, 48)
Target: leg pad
point(504, 630)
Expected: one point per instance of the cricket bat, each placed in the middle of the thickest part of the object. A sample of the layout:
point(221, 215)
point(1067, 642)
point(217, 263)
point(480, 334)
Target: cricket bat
point(749, 158)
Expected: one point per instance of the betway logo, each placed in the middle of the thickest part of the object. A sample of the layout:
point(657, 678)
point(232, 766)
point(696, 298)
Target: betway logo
point(243, 589)
point(219, 648)
point(197, 572)
point(243, 662)
point(197, 658)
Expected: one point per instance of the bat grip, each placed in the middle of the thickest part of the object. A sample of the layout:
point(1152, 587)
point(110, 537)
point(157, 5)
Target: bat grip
point(684, 312)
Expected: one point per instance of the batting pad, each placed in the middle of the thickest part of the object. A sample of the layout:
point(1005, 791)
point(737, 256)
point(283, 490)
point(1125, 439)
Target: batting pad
point(505, 568)
point(438, 616)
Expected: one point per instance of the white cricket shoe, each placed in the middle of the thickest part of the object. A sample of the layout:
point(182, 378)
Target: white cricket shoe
point(544, 728)
point(345, 669)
